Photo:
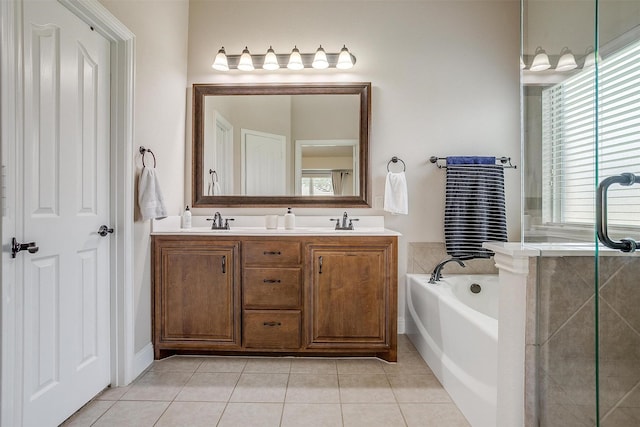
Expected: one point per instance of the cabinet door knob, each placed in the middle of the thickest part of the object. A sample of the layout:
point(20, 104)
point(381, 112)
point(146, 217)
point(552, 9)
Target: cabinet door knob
point(224, 264)
point(271, 281)
point(320, 263)
point(272, 323)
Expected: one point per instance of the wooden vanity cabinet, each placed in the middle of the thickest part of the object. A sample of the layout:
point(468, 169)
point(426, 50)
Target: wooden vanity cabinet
point(272, 294)
point(196, 300)
point(352, 295)
point(313, 295)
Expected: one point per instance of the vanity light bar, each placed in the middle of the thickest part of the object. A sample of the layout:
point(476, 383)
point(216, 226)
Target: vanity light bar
point(274, 61)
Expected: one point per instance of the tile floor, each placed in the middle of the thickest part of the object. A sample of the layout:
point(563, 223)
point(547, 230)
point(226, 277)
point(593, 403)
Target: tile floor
point(278, 392)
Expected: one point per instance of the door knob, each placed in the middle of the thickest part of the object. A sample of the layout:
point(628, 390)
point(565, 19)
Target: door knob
point(17, 247)
point(104, 230)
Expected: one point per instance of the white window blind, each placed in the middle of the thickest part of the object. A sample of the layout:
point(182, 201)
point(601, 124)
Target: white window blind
point(569, 142)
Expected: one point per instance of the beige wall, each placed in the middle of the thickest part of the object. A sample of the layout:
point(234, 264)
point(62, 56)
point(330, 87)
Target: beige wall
point(160, 28)
point(444, 76)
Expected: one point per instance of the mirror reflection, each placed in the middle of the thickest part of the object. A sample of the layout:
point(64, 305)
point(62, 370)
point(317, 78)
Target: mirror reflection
point(283, 144)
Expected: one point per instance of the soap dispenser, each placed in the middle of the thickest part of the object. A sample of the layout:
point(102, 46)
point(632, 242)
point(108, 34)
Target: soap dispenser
point(289, 220)
point(186, 218)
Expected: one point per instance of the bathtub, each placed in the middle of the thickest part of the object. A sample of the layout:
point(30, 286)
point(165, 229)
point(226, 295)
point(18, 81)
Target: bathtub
point(456, 332)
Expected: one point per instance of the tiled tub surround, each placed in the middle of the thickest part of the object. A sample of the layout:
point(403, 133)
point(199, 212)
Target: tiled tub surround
point(547, 335)
point(566, 340)
point(278, 392)
point(424, 256)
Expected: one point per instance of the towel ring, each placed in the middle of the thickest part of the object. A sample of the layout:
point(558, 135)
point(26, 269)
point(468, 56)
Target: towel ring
point(214, 175)
point(143, 151)
point(395, 159)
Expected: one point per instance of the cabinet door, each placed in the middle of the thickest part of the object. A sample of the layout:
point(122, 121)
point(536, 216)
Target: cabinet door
point(199, 298)
point(349, 291)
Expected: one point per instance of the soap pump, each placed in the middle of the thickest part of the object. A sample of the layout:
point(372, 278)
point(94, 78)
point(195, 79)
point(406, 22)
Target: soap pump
point(289, 220)
point(186, 218)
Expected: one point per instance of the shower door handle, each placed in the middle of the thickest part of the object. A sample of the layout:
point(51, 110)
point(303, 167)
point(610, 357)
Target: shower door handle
point(625, 179)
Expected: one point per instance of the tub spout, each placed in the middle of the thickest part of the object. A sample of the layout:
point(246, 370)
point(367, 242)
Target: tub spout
point(437, 272)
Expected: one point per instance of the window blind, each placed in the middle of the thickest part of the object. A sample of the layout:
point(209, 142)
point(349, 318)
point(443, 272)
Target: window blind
point(569, 141)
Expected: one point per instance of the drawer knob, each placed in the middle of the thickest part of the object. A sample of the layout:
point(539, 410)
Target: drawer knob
point(271, 281)
point(272, 323)
point(272, 253)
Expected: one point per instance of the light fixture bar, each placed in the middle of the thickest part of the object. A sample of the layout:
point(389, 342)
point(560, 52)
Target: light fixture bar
point(283, 60)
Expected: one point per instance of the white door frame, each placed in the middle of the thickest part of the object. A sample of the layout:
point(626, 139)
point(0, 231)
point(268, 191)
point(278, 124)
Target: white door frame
point(121, 197)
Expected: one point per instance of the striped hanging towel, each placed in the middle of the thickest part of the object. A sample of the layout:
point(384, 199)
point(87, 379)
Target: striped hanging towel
point(474, 207)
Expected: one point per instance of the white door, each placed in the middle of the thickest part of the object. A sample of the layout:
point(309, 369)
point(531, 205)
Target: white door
point(264, 166)
point(218, 156)
point(65, 181)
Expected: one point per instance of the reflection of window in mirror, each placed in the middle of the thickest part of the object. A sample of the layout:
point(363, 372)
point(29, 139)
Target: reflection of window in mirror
point(326, 167)
point(316, 183)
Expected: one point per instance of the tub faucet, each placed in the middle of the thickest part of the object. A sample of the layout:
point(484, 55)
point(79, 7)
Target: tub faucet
point(437, 272)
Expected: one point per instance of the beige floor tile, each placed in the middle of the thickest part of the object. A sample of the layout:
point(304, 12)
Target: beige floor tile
point(267, 366)
point(418, 389)
point(311, 415)
point(112, 393)
point(177, 364)
point(157, 386)
point(209, 387)
point(407, 367)
point(132, 414)
point(311, 388)
point(433, 415)
point(372, 415)
point(314, 366)
point(251, 414)
point(360, 366)
point(260, 388)
point(191, 414)
point(365, 388)
point(222, 364)
point(89, 413)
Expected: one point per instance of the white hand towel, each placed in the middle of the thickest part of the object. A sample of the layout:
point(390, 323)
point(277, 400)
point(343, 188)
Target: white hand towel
point(150, 198)
point(396, 199)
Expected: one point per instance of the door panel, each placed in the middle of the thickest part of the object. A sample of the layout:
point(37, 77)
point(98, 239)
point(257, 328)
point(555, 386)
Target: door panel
point(264, 165)
point(66, 353)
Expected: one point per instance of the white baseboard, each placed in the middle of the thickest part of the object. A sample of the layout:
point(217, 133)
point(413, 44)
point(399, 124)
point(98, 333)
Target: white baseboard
point(401, 325)
point(142, 360)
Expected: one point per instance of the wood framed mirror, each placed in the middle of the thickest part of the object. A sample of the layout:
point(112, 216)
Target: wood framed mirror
point(252, 143)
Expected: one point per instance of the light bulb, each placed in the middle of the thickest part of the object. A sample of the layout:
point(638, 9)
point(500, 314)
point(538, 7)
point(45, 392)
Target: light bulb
point(220, 63)
point(320, 59)
point(295, 60)
point(344, 59)
point(246, 63)
point(270, 60)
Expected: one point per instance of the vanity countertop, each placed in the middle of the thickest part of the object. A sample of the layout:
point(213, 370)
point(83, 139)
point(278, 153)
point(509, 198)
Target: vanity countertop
point(255, 226)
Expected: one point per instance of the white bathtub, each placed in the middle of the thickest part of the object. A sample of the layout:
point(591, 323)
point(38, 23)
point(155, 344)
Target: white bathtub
point(456, 332)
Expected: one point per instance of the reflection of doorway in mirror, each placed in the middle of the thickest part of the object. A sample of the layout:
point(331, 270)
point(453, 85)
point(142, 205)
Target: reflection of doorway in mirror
point(326, 167)
point(218, 156)
point(264, 167)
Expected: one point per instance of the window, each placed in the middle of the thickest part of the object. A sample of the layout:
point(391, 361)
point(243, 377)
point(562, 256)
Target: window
point(569, 142)
point(316, 183)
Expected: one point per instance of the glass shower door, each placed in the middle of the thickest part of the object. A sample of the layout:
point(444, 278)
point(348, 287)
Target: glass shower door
point(581, 131)
point(617, 321)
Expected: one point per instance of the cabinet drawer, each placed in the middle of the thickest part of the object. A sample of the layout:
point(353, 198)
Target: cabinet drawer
point(272, 287)
point(271, 252)
point(279, 329)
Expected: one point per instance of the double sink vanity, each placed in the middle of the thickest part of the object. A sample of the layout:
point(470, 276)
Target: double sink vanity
point(312, 290)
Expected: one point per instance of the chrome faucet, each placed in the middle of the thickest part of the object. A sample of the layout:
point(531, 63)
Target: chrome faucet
point(437, 272)
point(344, 225)
point(217, 222)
